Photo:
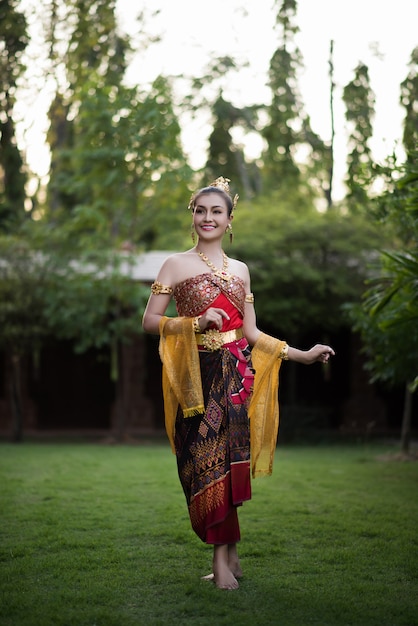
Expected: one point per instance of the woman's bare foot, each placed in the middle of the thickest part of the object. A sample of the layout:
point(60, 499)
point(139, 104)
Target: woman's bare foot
point(234, 564)
point(233, 561)
point(222, 575)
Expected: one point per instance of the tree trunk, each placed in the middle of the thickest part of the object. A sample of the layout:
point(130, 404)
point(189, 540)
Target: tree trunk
point(16, 399)
point(406, 420)
point(331, 107)
point(117, 376)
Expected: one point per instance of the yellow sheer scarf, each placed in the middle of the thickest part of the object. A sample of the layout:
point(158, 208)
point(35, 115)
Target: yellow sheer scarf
point(182, 385)
point(264, 404)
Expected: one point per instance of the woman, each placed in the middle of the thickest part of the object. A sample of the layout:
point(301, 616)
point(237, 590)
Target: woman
point(220, 375)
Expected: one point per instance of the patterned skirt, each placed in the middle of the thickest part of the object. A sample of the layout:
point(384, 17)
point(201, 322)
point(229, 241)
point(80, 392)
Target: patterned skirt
point(213, 449)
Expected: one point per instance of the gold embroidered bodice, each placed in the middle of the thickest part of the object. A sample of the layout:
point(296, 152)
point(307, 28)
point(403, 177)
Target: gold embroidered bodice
point(196, 294)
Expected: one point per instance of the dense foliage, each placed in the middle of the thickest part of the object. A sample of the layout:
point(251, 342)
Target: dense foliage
point(388, 316)
point(13, 41)
point(119, 181)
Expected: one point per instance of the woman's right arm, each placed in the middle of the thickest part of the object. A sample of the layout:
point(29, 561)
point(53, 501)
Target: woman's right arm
point(158, 302)
point(155, 309)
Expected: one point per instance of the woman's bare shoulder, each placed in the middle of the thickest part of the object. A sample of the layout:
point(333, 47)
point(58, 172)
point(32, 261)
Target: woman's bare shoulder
point(174, 259)
point(177, 267)
point(179, 259)
point(239, 268)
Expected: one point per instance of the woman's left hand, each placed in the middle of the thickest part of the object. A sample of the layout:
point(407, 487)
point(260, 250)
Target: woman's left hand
point(319, 353)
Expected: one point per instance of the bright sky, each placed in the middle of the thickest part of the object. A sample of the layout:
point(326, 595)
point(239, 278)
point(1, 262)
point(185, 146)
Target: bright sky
point(380, 33)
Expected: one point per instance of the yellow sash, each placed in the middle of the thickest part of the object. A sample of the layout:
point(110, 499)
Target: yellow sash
point(182, 385)
point(264, 404)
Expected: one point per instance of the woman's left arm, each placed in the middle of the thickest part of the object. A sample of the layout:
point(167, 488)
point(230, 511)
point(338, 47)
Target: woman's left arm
point(317, 354)
point(251, 332)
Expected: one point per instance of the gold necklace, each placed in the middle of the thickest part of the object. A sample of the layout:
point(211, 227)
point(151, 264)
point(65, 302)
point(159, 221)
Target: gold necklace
point(223, 274)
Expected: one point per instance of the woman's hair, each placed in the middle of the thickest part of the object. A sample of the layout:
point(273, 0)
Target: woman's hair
point(211, 189)
point(219, 186)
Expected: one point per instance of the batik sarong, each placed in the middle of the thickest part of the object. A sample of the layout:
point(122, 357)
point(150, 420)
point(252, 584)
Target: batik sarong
point(213, 449)
point(210, 435)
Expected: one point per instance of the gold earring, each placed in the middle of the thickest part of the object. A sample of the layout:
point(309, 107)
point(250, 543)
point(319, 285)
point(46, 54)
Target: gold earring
point(193, 233)
point(231, 234)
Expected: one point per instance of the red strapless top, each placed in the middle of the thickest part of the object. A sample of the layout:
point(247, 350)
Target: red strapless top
point(194, 295)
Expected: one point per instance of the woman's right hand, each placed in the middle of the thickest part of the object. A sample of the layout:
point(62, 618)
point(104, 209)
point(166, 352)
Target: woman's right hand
point(213, 318)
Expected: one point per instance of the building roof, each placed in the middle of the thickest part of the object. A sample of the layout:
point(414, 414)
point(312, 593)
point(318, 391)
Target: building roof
point(147, 265)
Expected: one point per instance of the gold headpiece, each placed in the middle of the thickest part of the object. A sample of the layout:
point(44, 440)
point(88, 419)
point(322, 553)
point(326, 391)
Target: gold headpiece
point(220, 183)
point(223, 183)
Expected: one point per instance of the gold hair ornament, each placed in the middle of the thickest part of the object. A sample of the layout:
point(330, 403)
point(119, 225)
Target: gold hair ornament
point(193, 232)
point(229, 230)
point(220, 183)
point(223, 183)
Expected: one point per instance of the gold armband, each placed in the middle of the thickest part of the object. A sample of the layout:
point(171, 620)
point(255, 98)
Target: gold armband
point(284, 354)
point(158, 288)
point(249, 297)
point(196, 326)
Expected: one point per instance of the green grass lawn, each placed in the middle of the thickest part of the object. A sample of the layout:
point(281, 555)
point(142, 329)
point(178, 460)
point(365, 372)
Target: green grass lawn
point(98, 535)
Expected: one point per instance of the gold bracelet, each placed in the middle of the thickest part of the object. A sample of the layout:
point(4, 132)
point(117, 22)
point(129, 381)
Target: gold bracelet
point(196, 326)
point(284, 354)
point(158, 288)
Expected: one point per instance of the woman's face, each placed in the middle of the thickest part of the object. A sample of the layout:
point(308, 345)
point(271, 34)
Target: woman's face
point(210, 216)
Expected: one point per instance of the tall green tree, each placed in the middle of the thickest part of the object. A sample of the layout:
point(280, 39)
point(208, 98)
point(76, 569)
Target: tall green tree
point(388, 317)
point(282, 130)
point(320, 166)
point(359, 101)
point(318, 169)
point(116, 156)
point(116, 150)
point(225, 157)
point(85, 49)
point(13, 41)
point(23, 324)
point(288, 127)
point(409, 100)
point(304, 265)
point(47, 296)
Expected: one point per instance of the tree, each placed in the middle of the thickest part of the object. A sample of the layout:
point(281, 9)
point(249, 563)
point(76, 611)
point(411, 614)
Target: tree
point(320, 169)
point(289, 128)
point(388, 317)
point(359, 101)
point(23, 324)
point(225, 157)
point(115, 149)
point(409, 99)
point(85, 53)
point(304, 265)
point(116, 155)
point(281, 132)
point(47, 296)
point(13, 41)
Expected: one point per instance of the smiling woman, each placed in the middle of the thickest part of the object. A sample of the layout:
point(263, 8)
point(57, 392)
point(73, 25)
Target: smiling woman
point(220, 374)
